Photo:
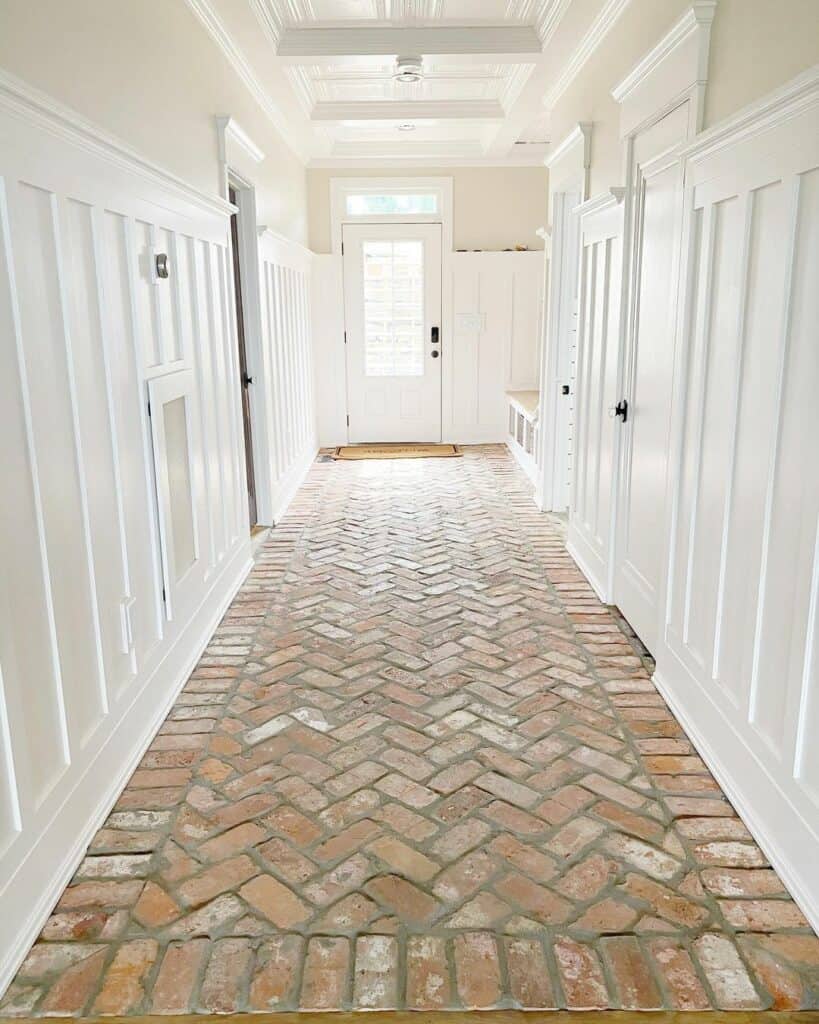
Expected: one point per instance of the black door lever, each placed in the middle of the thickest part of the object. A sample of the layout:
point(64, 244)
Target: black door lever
point(621, 410)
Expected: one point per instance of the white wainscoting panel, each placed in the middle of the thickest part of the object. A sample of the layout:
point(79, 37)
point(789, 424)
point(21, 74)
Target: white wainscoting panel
point(739, 662)
point(90, 656)
point(287, 348)
point(494, 340)
point(592, 495)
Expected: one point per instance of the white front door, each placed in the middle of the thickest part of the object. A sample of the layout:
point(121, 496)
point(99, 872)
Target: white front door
point(392, 311)
point(649, 367)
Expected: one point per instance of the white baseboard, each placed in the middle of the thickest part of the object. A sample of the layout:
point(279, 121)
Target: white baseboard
point(85, 809)
point(776, 825)
point(524, 459)
point(576, 549)
point(285, 490)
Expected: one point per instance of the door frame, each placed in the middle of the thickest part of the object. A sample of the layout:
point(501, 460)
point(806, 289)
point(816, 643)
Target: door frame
point(423, 229)
point(340, 188)
point(568, 187)
point(673, 73)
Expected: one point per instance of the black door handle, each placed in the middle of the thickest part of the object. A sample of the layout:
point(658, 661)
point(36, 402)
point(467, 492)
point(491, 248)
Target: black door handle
point(246, 380)
point(434, 336)
point(621, 410)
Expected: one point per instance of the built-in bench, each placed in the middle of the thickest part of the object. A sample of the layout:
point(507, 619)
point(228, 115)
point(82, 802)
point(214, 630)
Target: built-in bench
point(522, 428)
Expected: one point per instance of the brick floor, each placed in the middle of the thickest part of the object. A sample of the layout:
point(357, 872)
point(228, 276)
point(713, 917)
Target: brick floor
point(419, 765)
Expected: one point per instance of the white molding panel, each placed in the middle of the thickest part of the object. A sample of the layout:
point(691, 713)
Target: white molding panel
point(287, 357)
point(593, 492)
point(90, 656)
point(739, 659)
point(494, 341)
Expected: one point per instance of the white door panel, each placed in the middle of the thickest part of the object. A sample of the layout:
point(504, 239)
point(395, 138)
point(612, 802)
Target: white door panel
point(392, 306)
point(648, 374)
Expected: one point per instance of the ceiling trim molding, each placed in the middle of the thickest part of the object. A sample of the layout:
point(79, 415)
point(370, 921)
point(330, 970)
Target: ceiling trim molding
point(240, 64)
point(434, 161)
point(229, 128)
point(611, 197)
point(37, 107)
point(594, 36)
point(412, 110)
point(308, 45)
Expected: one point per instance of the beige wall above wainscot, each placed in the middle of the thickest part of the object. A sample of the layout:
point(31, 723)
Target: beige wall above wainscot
point(495, 208)
point(148, 72)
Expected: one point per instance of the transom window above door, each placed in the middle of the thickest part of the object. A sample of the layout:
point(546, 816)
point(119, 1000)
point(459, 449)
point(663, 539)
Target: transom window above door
point(398, 204)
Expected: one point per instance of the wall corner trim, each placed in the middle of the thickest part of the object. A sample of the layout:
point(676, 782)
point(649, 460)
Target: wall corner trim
point(25, 101)
point(579, 135)
point(229, 128)
point(613, 196)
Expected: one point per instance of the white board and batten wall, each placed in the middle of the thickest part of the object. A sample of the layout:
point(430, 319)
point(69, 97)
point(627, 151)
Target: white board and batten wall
point(106, 503)
point(737, 616)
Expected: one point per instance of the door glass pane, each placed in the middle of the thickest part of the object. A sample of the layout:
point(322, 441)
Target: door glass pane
point(391, 203)
point(179, 485)
point(394, 308)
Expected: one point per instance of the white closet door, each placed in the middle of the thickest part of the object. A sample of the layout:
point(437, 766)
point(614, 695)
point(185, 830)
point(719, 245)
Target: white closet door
point(656, 183)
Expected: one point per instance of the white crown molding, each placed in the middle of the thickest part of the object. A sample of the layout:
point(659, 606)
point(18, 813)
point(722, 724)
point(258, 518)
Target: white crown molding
point(240, 64)
point(792, 99)
point(229, 128)
point(697, 18)
point(594, 36)
point(412, 110)
point(30, 104)
point(611, 197)
point(269, 17)
point(579, 135)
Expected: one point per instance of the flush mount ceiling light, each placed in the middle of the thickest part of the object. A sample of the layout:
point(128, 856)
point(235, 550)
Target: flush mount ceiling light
point(406, 127)
point(408, 70)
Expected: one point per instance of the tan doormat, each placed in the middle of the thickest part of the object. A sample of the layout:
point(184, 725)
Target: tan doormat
point(396, 451)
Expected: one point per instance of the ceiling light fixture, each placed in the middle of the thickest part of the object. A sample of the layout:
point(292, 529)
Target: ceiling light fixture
point(408, 70)
point(406, 127)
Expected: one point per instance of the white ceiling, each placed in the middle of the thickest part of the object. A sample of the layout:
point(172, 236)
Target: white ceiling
point(323, 70)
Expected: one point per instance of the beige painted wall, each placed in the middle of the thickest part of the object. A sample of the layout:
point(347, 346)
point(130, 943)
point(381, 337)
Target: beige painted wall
point(148, 72)
point(756, 45)
point(495, 208)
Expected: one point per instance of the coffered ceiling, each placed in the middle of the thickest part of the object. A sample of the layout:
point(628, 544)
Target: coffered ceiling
point(325, 72)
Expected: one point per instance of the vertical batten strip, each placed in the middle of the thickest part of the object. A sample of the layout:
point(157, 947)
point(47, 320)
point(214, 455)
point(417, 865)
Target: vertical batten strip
point(111, 415)
point(145, 429)
point(197, 356)
point(702, 346)
point(216, 375)
point(605, 244)
point(8, 774)
point(770, 488)
point(809, 666)
point(744, 263)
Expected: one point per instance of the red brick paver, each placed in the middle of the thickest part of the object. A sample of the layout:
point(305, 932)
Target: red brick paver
point(419, 765)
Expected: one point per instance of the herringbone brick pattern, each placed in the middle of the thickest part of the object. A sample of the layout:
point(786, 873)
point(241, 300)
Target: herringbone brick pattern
point(419, 765)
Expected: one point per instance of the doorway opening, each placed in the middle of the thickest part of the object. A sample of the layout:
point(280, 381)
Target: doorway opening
point(244, 376)
point(392, 312)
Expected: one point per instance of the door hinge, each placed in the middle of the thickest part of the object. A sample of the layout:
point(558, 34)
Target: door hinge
point(345, 337)
point(164, 598)
point(342, 248)
point(348, 421)
point(149, 410)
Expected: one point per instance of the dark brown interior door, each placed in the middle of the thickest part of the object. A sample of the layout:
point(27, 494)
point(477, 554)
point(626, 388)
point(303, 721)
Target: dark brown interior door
point(246, 380)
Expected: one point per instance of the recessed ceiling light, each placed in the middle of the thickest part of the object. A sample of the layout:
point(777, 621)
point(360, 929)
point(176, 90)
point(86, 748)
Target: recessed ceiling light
point(408, 70)
point(406, 127)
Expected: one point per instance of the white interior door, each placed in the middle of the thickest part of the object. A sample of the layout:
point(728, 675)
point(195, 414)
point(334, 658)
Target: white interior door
point(656, 182)
point(392, 309)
